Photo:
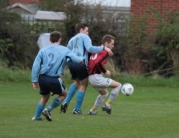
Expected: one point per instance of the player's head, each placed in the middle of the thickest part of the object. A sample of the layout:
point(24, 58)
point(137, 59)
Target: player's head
point(55, 37)
point(81, 28)
point(108, 41)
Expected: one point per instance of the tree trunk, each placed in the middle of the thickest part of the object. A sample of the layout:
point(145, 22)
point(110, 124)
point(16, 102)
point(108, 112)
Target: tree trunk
point(175, 59)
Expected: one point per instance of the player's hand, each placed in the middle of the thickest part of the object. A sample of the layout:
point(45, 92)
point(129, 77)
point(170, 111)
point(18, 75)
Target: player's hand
point(108, 73)
point(63, 78)
point(81, 63)
point(109, 51)
point(35, 85)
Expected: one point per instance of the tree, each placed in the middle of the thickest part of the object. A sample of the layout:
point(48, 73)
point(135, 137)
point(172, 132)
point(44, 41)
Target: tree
point(3, 4)
point(74, 11)
point(14, 39)
point(58, 5)
point(51, 5)
point(137, 57)
point(167, 37)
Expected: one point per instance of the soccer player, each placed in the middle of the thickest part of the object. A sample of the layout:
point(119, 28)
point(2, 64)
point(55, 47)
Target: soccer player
point(80, 44)
point(98, 81)
point(47, 69)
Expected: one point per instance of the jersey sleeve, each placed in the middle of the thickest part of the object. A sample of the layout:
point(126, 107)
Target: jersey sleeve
point(36, 67)
point(62, 69)
point(74, 57)
point(89, 47)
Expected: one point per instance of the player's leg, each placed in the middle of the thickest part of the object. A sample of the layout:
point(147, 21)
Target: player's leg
point(57, 101)
point(80, 96)
point(82, 75)
point(54, 104)
point(56, 86)
point(73, 87)
point(114, 92)
point(45, 96)
point(71, 92)
point(99, 100)
point(40, 107)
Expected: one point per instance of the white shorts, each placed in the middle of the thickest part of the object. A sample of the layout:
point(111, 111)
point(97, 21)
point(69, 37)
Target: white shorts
point(99, 82)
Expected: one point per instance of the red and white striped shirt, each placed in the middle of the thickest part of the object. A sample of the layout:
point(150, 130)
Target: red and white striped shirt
point(97, 62)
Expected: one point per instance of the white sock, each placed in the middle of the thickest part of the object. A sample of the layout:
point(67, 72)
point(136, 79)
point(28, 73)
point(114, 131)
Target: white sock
point(113, 94)
point(100, 98)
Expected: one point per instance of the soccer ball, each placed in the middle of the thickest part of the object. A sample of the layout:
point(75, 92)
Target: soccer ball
point(127, 89)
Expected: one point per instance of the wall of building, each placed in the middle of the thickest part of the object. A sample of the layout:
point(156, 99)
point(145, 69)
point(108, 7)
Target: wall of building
point(139, 7)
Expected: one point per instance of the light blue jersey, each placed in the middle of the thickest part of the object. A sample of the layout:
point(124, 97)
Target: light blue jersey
point(51, 61)
point(81, 44)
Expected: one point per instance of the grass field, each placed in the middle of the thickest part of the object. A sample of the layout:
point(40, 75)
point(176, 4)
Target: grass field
point(151, 112)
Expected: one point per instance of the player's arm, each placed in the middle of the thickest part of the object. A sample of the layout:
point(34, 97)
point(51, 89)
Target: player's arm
point(94, 49)
point(89, 47)
point(36, 70)
point(36, 67)
point(62, 68)
point(74, 57)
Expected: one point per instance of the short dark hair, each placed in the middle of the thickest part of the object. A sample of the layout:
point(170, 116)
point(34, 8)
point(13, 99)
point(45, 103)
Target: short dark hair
point(107, 38)
point(80, 25)
point(55, 36)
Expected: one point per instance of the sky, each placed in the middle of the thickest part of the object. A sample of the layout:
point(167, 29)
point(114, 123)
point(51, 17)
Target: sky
point(121, 3)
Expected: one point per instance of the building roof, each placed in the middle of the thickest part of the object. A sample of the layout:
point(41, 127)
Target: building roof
point(22, 6)
point(48, 15)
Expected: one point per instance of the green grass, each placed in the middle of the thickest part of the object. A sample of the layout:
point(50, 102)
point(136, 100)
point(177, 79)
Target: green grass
point(151, 112)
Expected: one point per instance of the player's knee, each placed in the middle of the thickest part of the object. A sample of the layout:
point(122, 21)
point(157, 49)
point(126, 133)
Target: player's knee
point(76, 83)
point(118, 87)
point(115, 91)
point(105, 94)
point(64, 92)
point(82, 88)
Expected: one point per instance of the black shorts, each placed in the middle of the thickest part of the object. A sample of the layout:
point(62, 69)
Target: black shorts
point(49, 84)
point(78, 71)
